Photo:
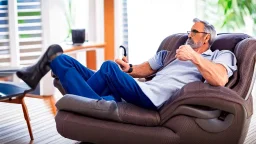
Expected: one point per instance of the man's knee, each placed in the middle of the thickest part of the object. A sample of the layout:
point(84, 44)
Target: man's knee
point(61, 58)
point(109, 65)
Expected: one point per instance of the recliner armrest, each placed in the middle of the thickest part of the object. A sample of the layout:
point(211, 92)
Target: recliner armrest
point(109, 110)
point(197, 112)
point(203, 94)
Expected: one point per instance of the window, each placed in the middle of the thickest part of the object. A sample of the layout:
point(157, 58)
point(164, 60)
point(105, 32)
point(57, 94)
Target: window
point(20, 32)
point(4, 35)
point(29, 30)
point(210, 11)
point(150, 21)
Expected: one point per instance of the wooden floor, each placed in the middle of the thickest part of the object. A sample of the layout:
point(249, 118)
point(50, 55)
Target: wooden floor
point(13, 128)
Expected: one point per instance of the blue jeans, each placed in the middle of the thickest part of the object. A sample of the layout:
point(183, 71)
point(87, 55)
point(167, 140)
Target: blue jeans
point(109, 82)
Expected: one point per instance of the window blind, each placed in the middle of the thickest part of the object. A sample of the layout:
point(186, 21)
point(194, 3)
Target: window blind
point(4, 34)
point(30, 30)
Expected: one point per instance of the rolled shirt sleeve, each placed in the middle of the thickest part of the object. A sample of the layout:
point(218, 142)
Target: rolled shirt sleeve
point(228, 60)
point(157, 61)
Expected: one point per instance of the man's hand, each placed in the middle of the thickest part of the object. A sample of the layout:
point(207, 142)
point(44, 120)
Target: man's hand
point(123, 64)
point(125, 59)
point(185, 52)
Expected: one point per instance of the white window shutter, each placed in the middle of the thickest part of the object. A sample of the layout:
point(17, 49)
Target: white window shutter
point(20, 32)
point(29, 30)
point(4, 35)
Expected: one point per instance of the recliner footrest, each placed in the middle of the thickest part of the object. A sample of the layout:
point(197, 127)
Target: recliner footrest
point(110, 110)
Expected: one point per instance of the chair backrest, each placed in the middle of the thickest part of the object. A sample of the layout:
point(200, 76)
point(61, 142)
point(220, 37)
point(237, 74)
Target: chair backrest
point(243, 46)
point(172, 42)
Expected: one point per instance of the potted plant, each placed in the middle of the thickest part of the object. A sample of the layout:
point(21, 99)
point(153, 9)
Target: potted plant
point(77, 36)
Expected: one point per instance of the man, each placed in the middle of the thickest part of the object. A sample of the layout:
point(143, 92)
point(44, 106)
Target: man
point(194, 62)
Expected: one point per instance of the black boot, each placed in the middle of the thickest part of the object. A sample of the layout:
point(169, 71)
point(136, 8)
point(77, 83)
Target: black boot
point(33, 74)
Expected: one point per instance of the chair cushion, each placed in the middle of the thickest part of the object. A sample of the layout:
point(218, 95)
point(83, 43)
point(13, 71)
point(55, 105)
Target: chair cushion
point(172, 42)
point(228, 41)
point(109, 110)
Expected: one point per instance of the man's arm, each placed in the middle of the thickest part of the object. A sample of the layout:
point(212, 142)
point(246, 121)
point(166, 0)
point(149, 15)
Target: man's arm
point(147, 68)
point(214, 73)
point(139, 71)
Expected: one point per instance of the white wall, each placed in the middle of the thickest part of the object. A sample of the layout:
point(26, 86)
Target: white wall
point(150, 21)
point(58, 24)
point(55, 30)
point(57, 21)
point(118, 22)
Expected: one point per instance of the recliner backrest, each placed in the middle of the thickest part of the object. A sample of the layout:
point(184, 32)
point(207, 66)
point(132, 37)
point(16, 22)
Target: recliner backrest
point(243, 46)
point(229, 41)
point(245, 52)
point(172, 42)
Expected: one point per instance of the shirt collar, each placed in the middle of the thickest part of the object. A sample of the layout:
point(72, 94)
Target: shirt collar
point(208, 52)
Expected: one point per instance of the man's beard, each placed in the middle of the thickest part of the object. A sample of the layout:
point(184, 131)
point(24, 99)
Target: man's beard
point(193, 44)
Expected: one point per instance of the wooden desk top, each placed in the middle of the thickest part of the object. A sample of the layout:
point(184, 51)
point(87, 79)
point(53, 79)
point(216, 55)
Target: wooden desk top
point(71, 48)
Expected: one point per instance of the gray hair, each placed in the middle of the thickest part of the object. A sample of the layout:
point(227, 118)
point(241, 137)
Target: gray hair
point(208, 28)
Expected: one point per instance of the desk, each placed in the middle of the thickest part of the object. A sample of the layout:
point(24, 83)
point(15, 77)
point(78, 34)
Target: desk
point(18, 92)
point(90, 54)
point(13, 92)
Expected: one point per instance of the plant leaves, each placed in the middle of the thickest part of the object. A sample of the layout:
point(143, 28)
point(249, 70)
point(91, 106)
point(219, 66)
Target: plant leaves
point(236, 10)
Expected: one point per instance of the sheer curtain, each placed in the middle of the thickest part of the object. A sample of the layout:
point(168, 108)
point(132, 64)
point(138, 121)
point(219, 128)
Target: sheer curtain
point(150, 21)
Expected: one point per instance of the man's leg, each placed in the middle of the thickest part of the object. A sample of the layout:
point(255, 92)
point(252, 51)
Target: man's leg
point(72, 76)
point(109, 77)
point(120, 84)
point(85, 72)
point(32, 75)
point(68, 62)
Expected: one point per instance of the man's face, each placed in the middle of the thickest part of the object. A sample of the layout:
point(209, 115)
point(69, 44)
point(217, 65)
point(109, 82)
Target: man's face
point(196, 37)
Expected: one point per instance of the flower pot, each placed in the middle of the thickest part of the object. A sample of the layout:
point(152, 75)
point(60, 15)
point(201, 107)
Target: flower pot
point(78, 36)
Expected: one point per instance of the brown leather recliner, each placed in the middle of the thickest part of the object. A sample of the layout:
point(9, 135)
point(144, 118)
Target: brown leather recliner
point(199, 113)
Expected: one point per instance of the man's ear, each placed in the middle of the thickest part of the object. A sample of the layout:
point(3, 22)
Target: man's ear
point(207, 38)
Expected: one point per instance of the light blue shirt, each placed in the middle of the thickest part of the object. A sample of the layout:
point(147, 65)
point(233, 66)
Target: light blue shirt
point(179, 73)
